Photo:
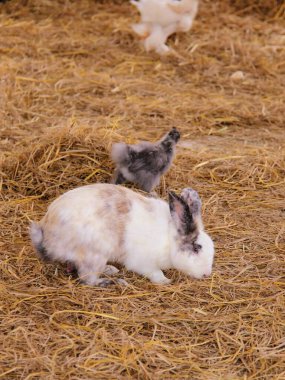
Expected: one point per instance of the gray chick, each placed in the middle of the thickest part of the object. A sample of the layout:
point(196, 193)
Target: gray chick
point(144, 163)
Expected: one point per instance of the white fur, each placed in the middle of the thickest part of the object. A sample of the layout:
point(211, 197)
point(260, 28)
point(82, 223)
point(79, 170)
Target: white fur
point(161, 18)
point(83, 226)
point(36, 234)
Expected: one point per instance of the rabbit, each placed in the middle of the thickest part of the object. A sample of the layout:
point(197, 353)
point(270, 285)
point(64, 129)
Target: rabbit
point(161, 18)
point(144, 163)
point(100, 223)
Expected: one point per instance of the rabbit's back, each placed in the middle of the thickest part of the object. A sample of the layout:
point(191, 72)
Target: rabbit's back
point(103, 219)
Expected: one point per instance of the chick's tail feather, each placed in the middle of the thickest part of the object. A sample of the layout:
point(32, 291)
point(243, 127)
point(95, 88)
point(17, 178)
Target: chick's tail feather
point(120, 153)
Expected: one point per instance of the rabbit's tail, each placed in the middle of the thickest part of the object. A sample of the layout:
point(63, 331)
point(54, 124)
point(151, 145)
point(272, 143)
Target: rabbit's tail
point(37, 237)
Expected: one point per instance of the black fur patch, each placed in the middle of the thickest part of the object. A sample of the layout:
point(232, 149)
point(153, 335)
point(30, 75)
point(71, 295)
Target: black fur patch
point(187, 224)
point(43, 253)
point(41, 250)
point(196, 247)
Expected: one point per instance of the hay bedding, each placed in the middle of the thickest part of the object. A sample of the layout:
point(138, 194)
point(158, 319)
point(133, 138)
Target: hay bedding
point(73, 80)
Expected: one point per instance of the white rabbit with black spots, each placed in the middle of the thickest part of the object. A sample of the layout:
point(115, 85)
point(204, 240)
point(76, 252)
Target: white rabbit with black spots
point(96, 224)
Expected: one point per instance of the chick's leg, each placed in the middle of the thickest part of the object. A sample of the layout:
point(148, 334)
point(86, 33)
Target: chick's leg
point(118, 178)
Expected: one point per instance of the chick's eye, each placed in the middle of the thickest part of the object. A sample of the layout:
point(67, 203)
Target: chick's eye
point(196, 247)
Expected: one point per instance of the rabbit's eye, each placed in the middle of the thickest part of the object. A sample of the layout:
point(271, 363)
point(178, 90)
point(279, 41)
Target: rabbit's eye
point(196, 247)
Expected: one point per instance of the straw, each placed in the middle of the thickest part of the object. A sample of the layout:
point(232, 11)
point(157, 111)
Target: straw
point(73, 80)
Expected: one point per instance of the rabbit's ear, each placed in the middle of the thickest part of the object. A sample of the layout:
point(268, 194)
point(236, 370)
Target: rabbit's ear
point(181, 214)
point(191, 197)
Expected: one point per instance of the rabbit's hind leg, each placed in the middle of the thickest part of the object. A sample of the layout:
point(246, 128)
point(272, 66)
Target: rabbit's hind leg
point(89, 271)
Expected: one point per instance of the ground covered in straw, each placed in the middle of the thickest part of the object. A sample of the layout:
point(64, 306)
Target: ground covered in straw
point(74, 79)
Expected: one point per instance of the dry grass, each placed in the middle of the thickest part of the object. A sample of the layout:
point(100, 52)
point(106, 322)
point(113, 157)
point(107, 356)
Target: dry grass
point(73, 79)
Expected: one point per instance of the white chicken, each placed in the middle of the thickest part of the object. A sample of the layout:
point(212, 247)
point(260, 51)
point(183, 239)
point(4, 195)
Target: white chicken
point(161, 18)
